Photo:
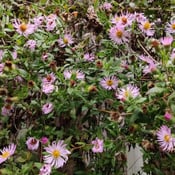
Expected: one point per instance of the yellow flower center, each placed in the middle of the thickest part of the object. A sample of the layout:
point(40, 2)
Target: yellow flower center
point(5, 155)
point(147, 25)
point(56, 154)
point(124, 20)
point(65, 40)
point(127, 93)
point(23, 27)
point(167, 138)
point(109, 82)
point(173, 26)
point(119, 33)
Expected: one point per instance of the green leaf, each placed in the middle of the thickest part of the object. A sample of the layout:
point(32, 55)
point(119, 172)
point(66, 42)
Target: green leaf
point(155, 90)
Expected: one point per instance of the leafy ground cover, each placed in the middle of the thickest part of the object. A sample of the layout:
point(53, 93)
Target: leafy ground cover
point(81, 81)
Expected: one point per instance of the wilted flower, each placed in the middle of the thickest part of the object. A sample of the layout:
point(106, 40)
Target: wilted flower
point(32, 143)
point(109, 83)
point(57, 154)
point(165, 139)
point(47, 108)
point(31, 44)
point(146, 27)
point(166, 41)
point(97, 145)
point(6, 152)
point(67, 40)
point(119, 34)
point(127, 92)
point(45, 169)
point(23, 28)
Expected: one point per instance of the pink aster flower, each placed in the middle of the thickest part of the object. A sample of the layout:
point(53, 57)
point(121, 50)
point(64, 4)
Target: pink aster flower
point(68, 74)
point(7, 152)
point(150, 68)
point(45, 169)
point(50, 78)
point(146, 59)
point(139, 17)
point(170, 28)
point(166, 41)
point(67, 40)
point(47, 108)
point(128, 92)
point(23, 28)
point(147, 28)
point(97, 145)
point(57, 154)
point(119, 34)
point(7, 110)
point(51, 22)
point(109, 83)
point(89, 57)
point(47, 88)
point(165, 139)
point(123, 19)
point(167, 115)
point(38, 21)
point(31, 44)
point(45, 56)
point(32, 143)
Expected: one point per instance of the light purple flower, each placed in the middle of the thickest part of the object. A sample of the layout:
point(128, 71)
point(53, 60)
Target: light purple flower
point(119, 34)
point(44, 56)
point(123, 19)
point(146, 59)
point(51, 22)
point(97, 145)
point(31, 44)
point(57, 154)
point(165, 139)
point(109, 83)
point(45, 169)
point(139, 17)
point(170, 28)
point(68, 74)
point(47, 88)
point(150, 68)
point(23, 28)
point(7, 152)
point(67, 40)
point(47, 108)
point(32, 143)
point(130, 91)
point(166, 41)
point(89, 57)
point(50, 78)
point(38, 21)
point(147, 28)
